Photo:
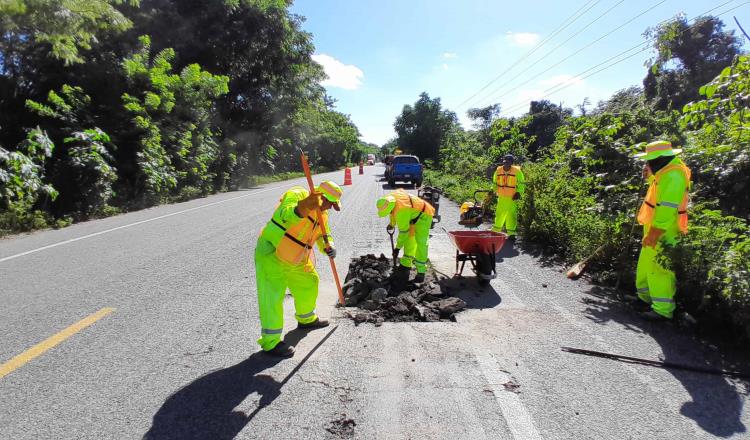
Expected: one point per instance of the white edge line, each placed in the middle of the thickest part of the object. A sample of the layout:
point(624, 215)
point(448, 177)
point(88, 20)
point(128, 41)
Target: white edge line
point(131, 224)
point(517, 417)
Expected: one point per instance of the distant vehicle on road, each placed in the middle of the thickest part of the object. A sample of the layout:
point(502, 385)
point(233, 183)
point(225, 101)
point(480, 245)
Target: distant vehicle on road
point(404, 168)
point(370, 159)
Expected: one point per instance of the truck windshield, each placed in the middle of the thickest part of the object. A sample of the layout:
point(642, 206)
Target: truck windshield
point(406, 159)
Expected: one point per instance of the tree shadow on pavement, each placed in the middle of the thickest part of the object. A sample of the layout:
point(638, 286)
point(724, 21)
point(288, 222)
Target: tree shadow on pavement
point(205, 408)
point(388, 187)
point(716, 404)
point(544, 255)
point(509, 250)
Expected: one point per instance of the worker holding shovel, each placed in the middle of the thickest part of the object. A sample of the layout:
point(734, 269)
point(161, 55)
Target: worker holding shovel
point(412, 216)
point(663, 215)
point(283, 260)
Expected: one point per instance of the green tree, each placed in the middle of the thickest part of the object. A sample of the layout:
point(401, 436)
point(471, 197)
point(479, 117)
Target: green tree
point(65, 26)
point(688, 55)
point(171, 116)
point(421, 128)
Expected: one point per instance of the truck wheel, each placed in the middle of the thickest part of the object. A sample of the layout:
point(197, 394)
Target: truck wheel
point(392, 183)
point(417, 183)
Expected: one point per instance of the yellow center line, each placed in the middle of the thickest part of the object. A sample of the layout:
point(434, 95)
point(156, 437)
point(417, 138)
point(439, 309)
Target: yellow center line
point(39, 349)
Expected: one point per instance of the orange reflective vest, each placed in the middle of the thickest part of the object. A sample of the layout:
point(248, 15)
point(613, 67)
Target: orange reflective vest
point(405, 200)
point(293, 237)
point(297, 243)
point(648, 208)
point(507, 181)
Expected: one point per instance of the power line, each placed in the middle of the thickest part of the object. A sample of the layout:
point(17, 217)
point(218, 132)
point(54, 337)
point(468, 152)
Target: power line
point(559, 45)
point(575, 16)
point(563, 86)
point(514, 88)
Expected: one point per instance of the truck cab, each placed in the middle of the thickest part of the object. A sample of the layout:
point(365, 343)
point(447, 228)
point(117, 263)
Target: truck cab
point(405, 168)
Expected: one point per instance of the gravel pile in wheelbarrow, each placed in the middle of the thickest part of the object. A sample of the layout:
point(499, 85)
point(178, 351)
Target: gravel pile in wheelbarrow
point(371, 287)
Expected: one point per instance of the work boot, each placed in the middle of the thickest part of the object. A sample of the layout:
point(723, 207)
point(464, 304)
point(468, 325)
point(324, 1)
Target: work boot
point(400, 278)
point(282, 349)
point(318, 323)
point(653, 316)
point(419, 278)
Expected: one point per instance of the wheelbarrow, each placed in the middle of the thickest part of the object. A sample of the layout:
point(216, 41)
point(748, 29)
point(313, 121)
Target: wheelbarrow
point(479, 249)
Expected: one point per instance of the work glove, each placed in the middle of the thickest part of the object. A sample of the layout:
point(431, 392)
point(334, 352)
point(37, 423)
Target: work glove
point(389, 229)
point(516, 196)
point(331, 252)
point(653, 236)
point(309, 204)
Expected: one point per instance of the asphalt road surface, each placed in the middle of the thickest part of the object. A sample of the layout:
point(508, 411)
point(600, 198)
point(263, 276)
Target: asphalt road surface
point(144, 326)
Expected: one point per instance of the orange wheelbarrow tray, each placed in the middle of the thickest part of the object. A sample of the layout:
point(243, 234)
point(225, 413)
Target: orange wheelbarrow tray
point(479, 249)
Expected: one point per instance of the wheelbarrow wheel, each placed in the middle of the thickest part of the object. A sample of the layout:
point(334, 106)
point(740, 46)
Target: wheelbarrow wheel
point(485, 268)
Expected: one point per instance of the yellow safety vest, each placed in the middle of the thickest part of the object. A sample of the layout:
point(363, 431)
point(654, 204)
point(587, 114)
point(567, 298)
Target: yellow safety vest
point(506, 181)
point(648, 208)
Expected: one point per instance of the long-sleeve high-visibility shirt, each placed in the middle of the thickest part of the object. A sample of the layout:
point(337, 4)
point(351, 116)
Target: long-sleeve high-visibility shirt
point(286, 216)
point(669, 195)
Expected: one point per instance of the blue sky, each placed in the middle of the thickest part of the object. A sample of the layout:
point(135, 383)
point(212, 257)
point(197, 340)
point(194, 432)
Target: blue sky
point(380, 55)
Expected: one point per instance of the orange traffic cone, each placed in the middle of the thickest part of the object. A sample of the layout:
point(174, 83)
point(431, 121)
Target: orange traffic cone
point(361, 167)
point(347, 176)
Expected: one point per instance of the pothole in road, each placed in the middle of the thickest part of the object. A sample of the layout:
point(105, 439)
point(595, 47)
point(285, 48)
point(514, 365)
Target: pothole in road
point(377, 295)
point(342, 427)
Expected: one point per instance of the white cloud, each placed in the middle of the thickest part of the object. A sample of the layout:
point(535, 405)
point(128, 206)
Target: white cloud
point(445, 66)
point(344, 76)
point(449, 55)
point(522, 39)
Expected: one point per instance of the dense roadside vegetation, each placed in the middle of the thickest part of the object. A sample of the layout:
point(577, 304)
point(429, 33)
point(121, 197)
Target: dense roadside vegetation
point(582, 180)
point(111, 105)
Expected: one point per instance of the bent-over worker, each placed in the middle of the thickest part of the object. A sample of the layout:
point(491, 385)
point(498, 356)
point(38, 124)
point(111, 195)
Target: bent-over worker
point(413, 218)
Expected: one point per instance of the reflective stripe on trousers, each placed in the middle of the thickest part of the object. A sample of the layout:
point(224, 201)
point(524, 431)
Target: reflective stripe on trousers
point(417, 245)
point(273, 277)
point(654, 283)
point(506, 214)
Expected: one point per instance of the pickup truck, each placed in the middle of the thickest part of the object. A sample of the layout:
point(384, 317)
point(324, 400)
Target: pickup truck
point(405, 169)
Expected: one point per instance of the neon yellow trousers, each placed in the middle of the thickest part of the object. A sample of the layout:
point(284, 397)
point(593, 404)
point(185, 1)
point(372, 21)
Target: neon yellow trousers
point(506, 214)
point(417, 245)
point(654, 283)
point(273, 277)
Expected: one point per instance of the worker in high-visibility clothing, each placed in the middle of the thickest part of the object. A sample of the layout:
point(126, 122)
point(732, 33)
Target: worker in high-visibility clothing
point(510, 185)
point(663, 215)
point(413, 218)
point(283, 260)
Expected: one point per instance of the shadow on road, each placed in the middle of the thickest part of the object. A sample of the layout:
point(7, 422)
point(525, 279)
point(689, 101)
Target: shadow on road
point(205, 408)
point(474, 295)
point(388, 187)
point(716, 404)
point(509, 250)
